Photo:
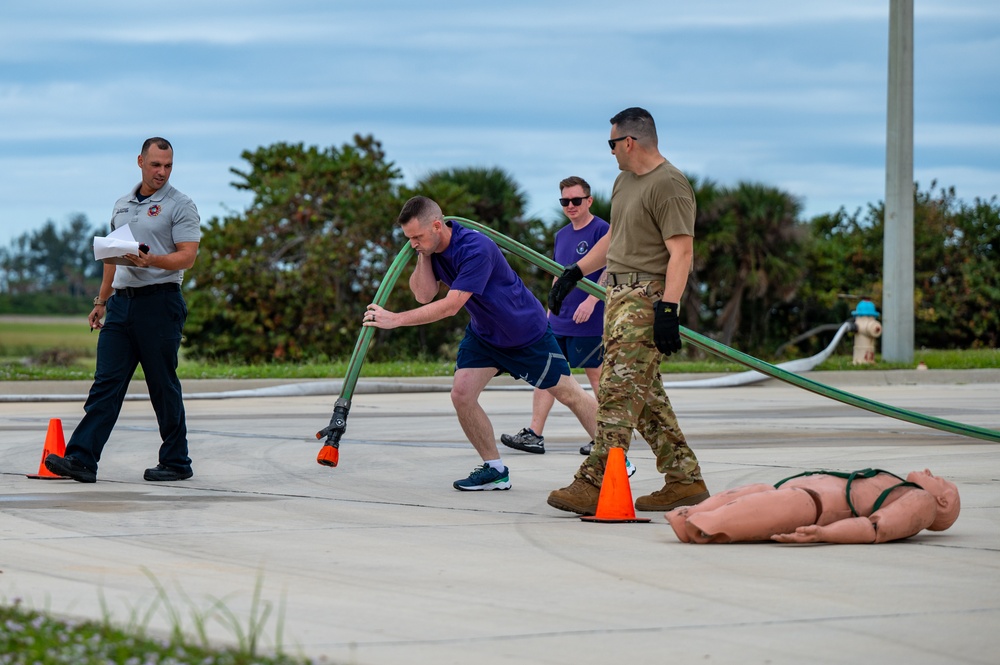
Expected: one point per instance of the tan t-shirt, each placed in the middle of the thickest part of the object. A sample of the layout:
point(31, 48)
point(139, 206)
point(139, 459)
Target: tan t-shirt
point(645, 211)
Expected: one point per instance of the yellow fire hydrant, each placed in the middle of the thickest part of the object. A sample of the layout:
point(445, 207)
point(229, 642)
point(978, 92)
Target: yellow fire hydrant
point(867, 329)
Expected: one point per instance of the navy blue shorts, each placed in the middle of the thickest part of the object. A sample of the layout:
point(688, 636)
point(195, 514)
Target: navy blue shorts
point(541, 364)
point(582, 351)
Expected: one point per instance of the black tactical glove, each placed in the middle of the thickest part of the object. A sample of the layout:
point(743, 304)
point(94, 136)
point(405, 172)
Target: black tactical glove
point(666, 327)
point(566, 282)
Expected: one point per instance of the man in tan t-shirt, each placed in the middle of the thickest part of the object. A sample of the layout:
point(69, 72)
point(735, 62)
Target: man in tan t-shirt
point(648, 252)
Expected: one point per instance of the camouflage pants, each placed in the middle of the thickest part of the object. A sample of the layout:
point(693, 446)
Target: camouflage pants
point(631, 396)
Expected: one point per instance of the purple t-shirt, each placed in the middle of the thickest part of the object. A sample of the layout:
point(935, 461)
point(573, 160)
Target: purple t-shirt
point(571, 246)
point(503, 311)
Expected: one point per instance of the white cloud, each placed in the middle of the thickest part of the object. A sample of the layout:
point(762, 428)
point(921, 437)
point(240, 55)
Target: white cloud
point(782, 92)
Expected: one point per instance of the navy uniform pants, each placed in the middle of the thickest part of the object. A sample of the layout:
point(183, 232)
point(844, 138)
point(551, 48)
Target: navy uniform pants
point(142, 330)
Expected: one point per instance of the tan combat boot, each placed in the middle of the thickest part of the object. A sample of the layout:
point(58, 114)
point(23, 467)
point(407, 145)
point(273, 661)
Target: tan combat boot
point(580, 497)
point(673, 495)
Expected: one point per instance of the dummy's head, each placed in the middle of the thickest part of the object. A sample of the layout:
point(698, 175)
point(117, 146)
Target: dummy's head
point(944, 492)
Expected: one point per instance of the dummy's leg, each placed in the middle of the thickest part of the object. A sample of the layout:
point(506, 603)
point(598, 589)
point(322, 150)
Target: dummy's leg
point(754, 516)
point(678, 516)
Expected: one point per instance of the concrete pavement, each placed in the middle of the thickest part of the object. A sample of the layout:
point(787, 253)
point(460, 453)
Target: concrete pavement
point(380, 561)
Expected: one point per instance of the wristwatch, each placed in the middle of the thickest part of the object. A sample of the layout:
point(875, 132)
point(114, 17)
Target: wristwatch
point(98, 302)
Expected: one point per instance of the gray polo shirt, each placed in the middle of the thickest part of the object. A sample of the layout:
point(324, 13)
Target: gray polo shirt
point(164, 219)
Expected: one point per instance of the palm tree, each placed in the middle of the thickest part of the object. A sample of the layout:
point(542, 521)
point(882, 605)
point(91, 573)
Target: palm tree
point(693, 304)
point(748, 257)
point(492, 197)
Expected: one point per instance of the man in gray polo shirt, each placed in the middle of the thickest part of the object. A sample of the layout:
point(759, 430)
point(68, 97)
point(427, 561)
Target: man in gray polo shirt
point(144, 314)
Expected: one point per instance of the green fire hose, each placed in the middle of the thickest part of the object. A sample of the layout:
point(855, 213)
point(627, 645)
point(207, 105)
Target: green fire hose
point(329, 454)
point(338, 423)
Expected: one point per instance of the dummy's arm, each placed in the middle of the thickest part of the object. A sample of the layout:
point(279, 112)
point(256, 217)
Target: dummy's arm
point(853, 530)
point(906, 513)
point(907, 516)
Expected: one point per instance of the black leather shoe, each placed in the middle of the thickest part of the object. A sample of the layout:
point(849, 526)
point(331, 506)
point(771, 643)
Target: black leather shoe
point(585, 450)
point(67, 467)
point(160, 473)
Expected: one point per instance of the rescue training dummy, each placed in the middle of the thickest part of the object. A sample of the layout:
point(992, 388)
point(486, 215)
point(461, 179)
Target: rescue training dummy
point(867, 506)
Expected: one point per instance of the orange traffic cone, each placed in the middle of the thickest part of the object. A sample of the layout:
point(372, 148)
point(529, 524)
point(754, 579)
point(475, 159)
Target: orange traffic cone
point(615, 501)
point(55, 444)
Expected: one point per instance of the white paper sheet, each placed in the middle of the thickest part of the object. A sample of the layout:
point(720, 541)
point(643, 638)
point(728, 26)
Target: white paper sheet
point(117, 244)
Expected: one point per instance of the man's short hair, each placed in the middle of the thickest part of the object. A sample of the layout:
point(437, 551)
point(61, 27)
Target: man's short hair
point(159, 142)
point(573, 181)
point(636, 122)
point(421, 207)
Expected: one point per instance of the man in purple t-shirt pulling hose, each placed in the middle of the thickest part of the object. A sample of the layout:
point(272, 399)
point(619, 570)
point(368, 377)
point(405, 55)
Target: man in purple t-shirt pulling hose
point(508, 329)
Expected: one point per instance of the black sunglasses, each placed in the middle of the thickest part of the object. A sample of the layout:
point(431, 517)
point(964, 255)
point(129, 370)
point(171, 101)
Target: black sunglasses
point(612, 142)
point(576, 200)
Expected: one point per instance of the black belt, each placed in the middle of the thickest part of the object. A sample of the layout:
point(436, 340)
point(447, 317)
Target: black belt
point(136, 292)
point(620, 278)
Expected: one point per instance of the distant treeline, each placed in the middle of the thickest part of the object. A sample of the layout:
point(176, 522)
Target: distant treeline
point(288, 278)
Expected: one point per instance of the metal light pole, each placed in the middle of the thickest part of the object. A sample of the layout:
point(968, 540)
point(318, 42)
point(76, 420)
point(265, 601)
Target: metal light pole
point(897, 258)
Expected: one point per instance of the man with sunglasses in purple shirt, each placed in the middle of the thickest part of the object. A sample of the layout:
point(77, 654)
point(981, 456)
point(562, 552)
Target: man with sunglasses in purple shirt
point(508, 330)
point(579, 325)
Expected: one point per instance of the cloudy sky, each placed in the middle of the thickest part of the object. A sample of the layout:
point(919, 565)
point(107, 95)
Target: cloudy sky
point(787, 93)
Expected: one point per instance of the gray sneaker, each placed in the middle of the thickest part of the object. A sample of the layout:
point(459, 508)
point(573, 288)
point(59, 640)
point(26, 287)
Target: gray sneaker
point(525, 440)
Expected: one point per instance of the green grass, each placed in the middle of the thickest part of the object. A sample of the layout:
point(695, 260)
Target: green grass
point(62, 348)
point(82, 368)
point(28, 637)
point(934, 359)
point(25, 336)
